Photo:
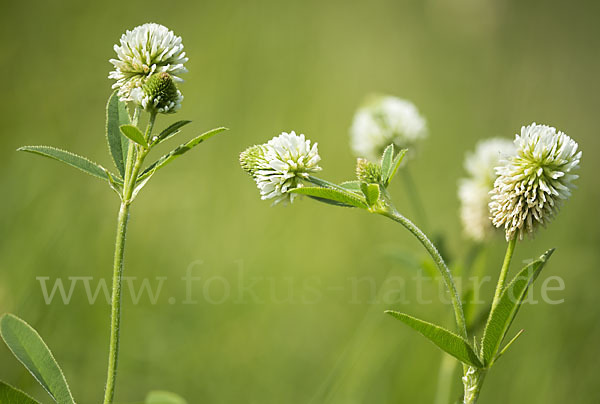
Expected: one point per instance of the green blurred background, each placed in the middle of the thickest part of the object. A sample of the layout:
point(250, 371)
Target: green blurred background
point(475, 68)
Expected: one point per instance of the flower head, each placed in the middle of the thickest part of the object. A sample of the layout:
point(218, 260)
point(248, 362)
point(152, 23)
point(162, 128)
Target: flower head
point(146, 50)
point(533, 183)
point(160, 94)
point(280, 164)
point(474, 191)
point(368, 172)
point(253, 159)
point(384, 120)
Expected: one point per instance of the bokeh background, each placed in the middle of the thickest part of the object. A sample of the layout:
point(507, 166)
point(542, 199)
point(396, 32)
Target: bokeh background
point(299, 332)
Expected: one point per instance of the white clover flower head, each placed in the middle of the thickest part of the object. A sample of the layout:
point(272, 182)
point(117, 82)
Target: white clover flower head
point(146, 50)
point(159, 94)
point(383, 120)
point(533, 183)
point(280, 164)
point(474, 191)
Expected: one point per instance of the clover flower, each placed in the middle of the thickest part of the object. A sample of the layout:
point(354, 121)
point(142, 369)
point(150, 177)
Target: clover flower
point(474, 191)
point(384, 120)
point(159, 94)
point(280, 164)
point(533, 183)
point(368, 172)
point(146, 50)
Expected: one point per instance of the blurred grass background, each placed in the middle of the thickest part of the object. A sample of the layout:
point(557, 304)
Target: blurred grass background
point(474, 68)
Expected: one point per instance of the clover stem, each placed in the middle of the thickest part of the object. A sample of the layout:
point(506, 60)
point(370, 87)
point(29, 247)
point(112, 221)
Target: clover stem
point(473, 381)
point(510, 249)
point(115, 322)
point(133, 165)
point(391, 213)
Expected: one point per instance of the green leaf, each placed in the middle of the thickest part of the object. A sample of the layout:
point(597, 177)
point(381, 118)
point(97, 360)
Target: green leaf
point(113, 182)
point(330, 202)
point(386, 162)
point(71, 159)
point(326, 184)
point(447, 341)
point(133, 133)
point(29, 348)
point(163, 397)
point(508, 345)
point(117, 115)
point(344, 197)
point(345, 188)
point(10, 395)
point(505, 311)
point(353, 186)
point(371, 193)
point(172, 130)
point(178, 151)
point(394, 168)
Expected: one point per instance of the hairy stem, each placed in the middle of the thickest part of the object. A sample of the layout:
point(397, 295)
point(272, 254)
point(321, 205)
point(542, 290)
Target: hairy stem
point(473, 381)
point(510, 249)
point(135, 160)
point(439, 261)
point(115, 315)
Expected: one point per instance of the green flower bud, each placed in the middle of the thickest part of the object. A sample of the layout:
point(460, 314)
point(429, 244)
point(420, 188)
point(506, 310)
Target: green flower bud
point(252, 159)
point(161, 94)
point(368, 172)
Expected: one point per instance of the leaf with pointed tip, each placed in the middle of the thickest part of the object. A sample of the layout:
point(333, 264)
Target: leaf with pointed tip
point(172, 130)
point(139, 185)
point(386, 162)
point(133, 133)
point(81, 163)
point(394, 168)
point(178, 151)
point(344, 187)
point(344, 197)
point(10, 395)
point(446, 340)
point(29, 348)
point(508, 345)
point(371, 193)
point(112, 182)
point(163, 397)
point(118, 145)
point(330, 202)
point(502, 316)
point(353, 186)
point(326, 184)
